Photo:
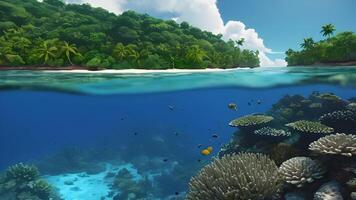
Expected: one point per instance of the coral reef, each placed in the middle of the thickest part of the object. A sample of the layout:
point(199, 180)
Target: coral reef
point(241, 176)
point(297, 107)
point(128, 187)
point(301, 170)
point(341, 120)
point(282, 152)
point(305, 126)
point(352, 184)
point(339, 144)
point(22, 182)
point(329, 191)
point(321, 126)
point(21, 173)
point(268, 131)
point(250, 121)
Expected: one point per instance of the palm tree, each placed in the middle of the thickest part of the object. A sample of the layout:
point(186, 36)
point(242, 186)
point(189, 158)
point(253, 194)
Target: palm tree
point(308, 43)
point(240, 42)
point(328, 30)
point(135, 56)
point(195, 54)
point(120, 51)
point(47, 51)
point(69, 50)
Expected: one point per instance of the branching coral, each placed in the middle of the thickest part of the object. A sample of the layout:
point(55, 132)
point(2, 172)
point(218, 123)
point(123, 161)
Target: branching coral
point(301, 170)
point(241, 176)
point(305, 126)
point(341, 120)
point(22, 173)
point(22, 182)
point(339, 144)
point(41, 188)
point(268, 131)
point(250, 120)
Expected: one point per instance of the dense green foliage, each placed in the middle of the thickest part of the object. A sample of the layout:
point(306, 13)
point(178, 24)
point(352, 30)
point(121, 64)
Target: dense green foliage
point(57, 34)
point(336, 49)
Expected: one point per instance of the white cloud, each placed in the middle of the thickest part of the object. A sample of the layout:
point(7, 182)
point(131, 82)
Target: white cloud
point(200, 13)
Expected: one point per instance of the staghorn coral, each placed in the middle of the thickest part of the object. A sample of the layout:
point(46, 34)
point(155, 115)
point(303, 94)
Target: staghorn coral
point(339, 144)
point(305, 126)
point(22, 173)
point(329, 191)
point(268, 131)
point(22, 182)
point(301, 170)
point(41, 188)
point(250, 120)
point(238, 176)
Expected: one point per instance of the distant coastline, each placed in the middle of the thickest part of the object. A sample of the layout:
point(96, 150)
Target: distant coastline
point(80, 69)
point(328, 64)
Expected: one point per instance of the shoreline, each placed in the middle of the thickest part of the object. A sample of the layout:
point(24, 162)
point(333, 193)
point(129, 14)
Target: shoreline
point(84, 70)
point(330, 64)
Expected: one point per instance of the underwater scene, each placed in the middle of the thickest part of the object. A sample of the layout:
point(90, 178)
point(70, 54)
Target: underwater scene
point(263, 133)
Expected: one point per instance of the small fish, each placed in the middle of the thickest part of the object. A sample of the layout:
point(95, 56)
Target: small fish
point(199, 145)
point(215, 136)
point(176, 193)
point(135, 133)
point(165, 160)
point(205, 152)
point(249, 103)
point(170, 107)
point(259, 102)
point(176, 133)
point(199, 160)
point(232, 106)
point(210, 149)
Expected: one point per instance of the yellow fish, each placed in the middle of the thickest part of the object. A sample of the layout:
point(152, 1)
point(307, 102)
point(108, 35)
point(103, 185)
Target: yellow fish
point(207, 151)
point(210, 149)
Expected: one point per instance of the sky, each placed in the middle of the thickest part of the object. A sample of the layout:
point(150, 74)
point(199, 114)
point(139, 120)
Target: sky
point(270, 26)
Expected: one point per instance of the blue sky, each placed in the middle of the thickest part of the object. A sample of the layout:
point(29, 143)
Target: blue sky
point(284, 23)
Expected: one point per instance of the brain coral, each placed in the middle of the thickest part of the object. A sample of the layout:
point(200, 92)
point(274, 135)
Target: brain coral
point(301, 170)
point(241, 176)
point(310, 127)
point(250, 120)
point(272, 132)
point(339, 143)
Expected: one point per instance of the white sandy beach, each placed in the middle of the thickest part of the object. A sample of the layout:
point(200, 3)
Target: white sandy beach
point(142, 71)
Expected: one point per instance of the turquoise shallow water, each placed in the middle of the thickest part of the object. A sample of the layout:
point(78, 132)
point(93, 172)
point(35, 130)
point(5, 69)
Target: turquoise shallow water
point(102, 83)
point(84, 131)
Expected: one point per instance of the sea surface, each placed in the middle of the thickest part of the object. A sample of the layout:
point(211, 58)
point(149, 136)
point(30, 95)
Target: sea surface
point(78, 128)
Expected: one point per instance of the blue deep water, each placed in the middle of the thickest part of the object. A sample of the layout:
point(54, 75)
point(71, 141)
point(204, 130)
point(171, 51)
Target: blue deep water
point(36, 124)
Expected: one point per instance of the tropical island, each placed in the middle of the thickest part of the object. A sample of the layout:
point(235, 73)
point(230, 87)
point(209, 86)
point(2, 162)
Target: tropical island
point(55, 35)
point(335, 50)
